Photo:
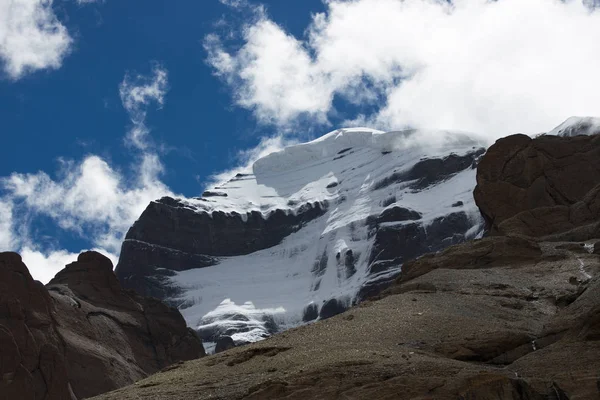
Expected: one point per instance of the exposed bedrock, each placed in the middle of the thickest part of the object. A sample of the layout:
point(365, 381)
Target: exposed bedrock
point(82, 334)
point(169, 223)
point(170, 236)
point(540, 187)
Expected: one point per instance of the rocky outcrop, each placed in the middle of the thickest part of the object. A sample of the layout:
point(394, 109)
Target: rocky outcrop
point(32, 362)
point(170, 236)
point(224, 343)
point(82, 334)
point(539, 187)
point(512, 316)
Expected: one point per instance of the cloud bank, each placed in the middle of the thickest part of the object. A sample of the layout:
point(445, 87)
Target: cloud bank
point(492, 67)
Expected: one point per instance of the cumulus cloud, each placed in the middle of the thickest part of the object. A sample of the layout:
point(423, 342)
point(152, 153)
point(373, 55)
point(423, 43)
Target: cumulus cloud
point(31, 37)
point(90, 198)
point(138, 92)
point(494, 67)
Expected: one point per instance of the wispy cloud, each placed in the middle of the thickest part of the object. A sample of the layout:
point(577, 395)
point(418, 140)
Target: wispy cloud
point(138, 93)
point(234, 3)
point(494, 67)
point(89, 198)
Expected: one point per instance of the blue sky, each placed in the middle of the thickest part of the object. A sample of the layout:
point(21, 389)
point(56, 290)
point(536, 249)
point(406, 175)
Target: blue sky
point(106, 105)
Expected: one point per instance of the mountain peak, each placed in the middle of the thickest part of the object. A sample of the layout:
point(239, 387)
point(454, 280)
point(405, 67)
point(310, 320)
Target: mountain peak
point(575, 126)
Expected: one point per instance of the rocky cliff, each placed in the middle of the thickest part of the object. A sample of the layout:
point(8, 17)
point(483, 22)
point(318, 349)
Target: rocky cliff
point(82, 334)
point(308, 232)
point(512, 316)
point(540, 187)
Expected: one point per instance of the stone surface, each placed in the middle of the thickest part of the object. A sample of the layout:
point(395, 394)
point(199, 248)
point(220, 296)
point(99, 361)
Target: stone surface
point(410, 240)
point(167, 236)
point(539, 187)
point(32, 365)
point(224, 343)
point(82, 334)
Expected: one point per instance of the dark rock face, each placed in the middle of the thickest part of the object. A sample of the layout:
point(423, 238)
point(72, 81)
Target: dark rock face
point(407, 241)
point(32, 363)
point(141, 267)
point(311, 313)
point(430, 171)
point(224, 343)
point(169, 224)
point(539, 187)
point(82, 334)
point(172, 236)
point(332, 307)
point(396, 244)
point(396, 214)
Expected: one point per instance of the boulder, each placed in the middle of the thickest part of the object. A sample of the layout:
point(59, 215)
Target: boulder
point(332, 307)
point(224, 343)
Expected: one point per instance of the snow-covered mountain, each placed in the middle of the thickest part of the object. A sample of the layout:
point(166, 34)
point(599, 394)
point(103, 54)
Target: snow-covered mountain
point(575, 126)
point(313, 229)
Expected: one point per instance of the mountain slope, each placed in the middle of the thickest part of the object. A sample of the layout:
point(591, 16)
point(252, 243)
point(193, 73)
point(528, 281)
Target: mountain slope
point(312, 230)
point(506, 317)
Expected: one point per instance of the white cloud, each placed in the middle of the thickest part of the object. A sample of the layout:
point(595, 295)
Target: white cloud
point(234, 3)
point(495, 67)
point(138, 92)
point(43, 267)
point(31, 37)
point(89, 198)
point(6, 225)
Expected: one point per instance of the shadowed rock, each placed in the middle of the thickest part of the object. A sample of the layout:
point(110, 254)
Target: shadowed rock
point(82, 334)
point(539, 187)
point(170, 237)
